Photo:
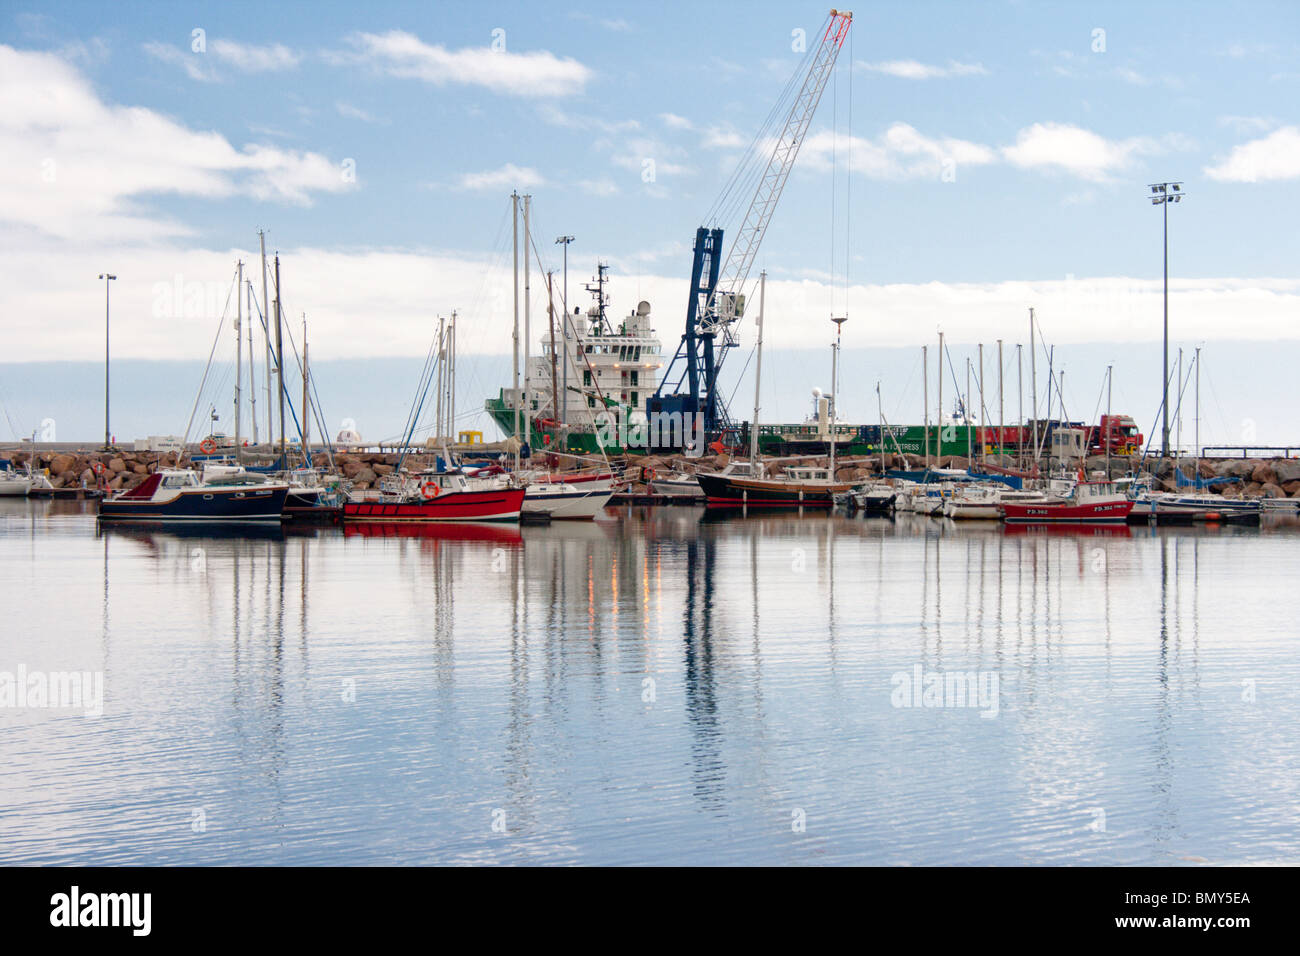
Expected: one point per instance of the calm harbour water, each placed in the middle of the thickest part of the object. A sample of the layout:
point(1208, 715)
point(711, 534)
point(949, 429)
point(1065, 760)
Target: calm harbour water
point(652, 688)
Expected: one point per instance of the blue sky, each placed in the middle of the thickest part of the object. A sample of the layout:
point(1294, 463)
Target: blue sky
point(996, 157)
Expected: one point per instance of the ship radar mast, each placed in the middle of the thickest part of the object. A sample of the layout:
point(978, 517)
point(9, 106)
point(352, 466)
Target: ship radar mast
point(596, 311)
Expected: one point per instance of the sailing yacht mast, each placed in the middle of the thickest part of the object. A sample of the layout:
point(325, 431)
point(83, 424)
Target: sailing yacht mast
point(439, 433)
point(925, 398)
point(514, 201)
point(1033, 385)
point(1106, 434)
point(266, 319)
point(252, 364)
point(1197, 366)
point(306, 408)
point(758, 372)
point(528, 245)
point(239, 355)
point(939, 420)
point(555, 378)
point(1002, 420)
point(279, 357)
point(984, 437)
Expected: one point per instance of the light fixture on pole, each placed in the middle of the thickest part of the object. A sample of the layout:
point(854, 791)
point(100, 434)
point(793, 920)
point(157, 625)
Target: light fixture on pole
point(108, 435)
point(839, 321)
point(1162, 194)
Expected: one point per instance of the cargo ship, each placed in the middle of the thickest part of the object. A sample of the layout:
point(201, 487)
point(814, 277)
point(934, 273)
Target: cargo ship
point(595, 365)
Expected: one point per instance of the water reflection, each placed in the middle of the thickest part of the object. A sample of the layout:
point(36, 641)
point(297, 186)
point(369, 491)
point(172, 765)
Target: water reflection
point(663, 685)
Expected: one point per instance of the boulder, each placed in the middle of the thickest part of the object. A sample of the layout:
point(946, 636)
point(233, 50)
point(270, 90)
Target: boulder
point(364, 478)
point(352, 467)
point(88, 477)
point(381, 469)
point(1263, 474)
point(140, 469)
point(1271, 490)
point(61, 463)
point(116, 465)
point(117, 483)
point(1252, 490)
point(1291, 488)
point(1287, 470)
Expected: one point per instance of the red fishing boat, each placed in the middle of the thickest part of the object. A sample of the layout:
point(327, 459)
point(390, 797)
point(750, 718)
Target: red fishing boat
point(1091, 502)
point(438, 496)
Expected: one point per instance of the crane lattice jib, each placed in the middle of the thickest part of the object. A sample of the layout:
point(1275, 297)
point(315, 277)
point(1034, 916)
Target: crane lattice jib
point(744, 248)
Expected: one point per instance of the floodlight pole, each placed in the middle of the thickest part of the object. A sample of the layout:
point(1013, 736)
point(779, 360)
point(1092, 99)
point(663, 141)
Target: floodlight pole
point(1161, 195)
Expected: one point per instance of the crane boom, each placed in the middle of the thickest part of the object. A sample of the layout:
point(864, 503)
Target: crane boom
point(722, 309)
point(716, 300)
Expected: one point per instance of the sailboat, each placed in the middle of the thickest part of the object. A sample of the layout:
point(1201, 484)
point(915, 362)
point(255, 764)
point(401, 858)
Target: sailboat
point(798, 487)
point(13, 483)
point(1172, 507)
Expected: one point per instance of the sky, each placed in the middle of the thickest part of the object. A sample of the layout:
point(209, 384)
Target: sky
point(967, 162)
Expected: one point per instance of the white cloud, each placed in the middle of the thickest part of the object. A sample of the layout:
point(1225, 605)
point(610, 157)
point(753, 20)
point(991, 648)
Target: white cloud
point(196, 66)
point(77, 167)
point(901, 152)
point(598, 187)
point(255, 59)
point(1071, 149)
point(348, 111)
point(914, 70)
point(637, 151)
point(535, 74)
point(613, 24)
point(717, 137)
point(1276, 156)
point(1248, 124)
point(550, 113)
point(48, 285)
point(508, 176)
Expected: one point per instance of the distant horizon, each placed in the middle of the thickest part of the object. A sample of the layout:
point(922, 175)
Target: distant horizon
point(376, 394)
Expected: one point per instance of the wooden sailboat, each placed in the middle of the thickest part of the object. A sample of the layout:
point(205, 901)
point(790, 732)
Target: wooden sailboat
point(801, 487)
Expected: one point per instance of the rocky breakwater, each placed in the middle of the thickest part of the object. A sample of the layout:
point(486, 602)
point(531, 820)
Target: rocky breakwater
point(1254, 477)
point(365, 470)
point(111, 470)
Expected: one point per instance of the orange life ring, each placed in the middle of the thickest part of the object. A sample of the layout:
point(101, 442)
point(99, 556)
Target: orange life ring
point(648, 474)
point(430, 489)
point(207, 446)
point(98, 467)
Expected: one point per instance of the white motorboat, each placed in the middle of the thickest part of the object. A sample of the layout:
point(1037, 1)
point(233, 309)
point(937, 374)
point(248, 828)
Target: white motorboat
point(14, 484)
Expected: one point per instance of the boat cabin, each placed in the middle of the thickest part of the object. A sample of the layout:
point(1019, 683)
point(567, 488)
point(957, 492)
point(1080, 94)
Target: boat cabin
point(808, 473)
point(443, 481)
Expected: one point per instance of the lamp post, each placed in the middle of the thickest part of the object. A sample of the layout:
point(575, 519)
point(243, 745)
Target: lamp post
point(108, 438)
point(1162, 194)
point(839, 321)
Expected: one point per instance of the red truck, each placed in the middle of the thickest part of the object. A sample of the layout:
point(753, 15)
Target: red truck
point(1120, 431)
